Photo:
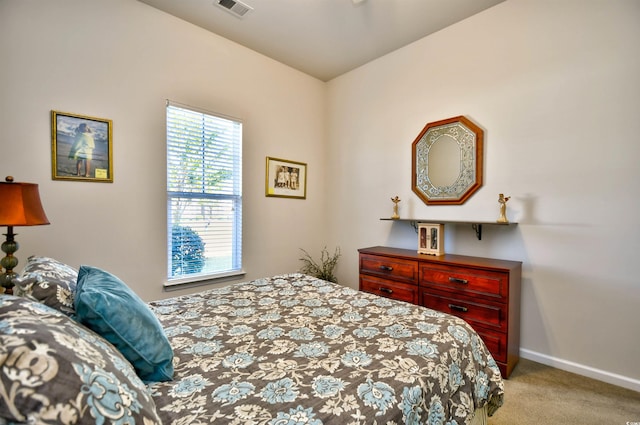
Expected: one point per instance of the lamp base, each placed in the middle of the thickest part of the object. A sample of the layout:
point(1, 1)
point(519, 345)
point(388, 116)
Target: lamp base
point(9, 261)
point(6, 281)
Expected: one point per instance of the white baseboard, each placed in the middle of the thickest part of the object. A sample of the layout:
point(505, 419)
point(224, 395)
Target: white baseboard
point(600, 375)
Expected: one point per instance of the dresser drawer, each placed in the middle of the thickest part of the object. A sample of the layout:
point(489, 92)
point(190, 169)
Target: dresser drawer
point(496, 344)
point(391, 268)
point(489, 316)
point(389, 289)
point(485, 283)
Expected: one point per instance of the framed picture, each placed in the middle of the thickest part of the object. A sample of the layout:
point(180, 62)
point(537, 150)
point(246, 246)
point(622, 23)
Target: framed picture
point(430, 239)
point(81, 148)
point(286, 179)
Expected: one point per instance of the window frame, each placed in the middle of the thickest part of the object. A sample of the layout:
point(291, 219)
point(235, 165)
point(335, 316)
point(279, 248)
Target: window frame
point(235, 197)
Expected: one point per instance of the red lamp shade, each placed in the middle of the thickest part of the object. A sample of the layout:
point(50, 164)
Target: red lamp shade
point(21, 205)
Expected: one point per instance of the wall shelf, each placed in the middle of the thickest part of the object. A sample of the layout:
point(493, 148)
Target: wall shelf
point(475, 225)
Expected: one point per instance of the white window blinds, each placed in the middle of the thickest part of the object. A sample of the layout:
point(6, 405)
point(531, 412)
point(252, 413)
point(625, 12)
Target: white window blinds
point(204, 194)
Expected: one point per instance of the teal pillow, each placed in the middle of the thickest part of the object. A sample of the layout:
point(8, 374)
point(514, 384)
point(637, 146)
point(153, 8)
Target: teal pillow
point(110, 308)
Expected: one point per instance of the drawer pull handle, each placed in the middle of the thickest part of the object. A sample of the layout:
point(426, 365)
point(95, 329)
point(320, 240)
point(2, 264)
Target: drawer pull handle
point(456, 280)
point(387, 268)
point(458, 308)
point(386, 290)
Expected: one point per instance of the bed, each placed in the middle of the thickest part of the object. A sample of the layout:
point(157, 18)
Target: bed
point(288, 349)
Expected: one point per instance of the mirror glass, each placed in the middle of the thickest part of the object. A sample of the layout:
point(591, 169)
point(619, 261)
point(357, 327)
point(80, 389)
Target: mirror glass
point(447, 161)
point(444, 167)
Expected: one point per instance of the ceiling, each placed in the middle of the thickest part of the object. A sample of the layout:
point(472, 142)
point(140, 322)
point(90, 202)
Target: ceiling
point(324, 38)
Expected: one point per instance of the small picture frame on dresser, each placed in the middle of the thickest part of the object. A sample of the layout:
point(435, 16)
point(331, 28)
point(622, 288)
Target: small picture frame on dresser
point(430, 239)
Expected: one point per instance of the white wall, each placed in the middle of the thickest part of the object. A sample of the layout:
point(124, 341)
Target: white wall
point(121, 59)
point(556, 86)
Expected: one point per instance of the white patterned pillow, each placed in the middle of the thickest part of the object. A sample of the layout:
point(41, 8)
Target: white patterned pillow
point(55, 371)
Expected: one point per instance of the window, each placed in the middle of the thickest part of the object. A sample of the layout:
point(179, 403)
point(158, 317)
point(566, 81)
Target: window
point(204, 195)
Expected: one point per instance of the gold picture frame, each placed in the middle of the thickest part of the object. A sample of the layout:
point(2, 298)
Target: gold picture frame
point(81, 148)
point(286, 179)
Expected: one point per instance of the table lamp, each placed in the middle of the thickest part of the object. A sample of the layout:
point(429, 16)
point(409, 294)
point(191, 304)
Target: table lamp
point(19, 206)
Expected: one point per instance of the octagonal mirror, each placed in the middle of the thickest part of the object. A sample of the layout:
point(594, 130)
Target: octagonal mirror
point(447, 161)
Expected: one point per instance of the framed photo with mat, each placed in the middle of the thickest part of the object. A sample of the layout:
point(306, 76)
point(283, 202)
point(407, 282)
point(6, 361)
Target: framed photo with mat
point(430, 239)
point(286, 179)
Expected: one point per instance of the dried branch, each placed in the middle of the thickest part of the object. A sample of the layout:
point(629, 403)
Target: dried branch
point(323, 269)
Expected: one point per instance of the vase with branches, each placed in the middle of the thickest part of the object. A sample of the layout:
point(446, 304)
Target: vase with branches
point(323, 269)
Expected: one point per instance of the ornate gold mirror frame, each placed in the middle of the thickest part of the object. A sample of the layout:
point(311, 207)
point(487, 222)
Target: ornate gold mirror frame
point(447, 161)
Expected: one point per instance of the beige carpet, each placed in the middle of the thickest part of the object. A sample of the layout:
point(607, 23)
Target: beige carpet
point(541, 395)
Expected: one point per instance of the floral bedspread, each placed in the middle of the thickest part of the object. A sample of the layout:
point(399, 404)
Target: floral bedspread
point(293, 349)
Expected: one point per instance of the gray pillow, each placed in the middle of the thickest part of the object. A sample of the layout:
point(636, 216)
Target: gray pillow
point(54, 370)
point(48, 281)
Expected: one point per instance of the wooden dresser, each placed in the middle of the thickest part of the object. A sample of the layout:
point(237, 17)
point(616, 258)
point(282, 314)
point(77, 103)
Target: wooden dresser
point(483, 291)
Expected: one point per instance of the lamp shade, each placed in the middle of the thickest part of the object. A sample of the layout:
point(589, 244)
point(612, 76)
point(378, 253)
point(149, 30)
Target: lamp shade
point(21, 204)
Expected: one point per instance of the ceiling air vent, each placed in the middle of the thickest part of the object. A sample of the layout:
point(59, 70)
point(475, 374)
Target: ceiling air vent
point(235, 7)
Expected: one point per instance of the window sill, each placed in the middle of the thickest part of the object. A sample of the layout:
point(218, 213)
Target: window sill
point(194, 281)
